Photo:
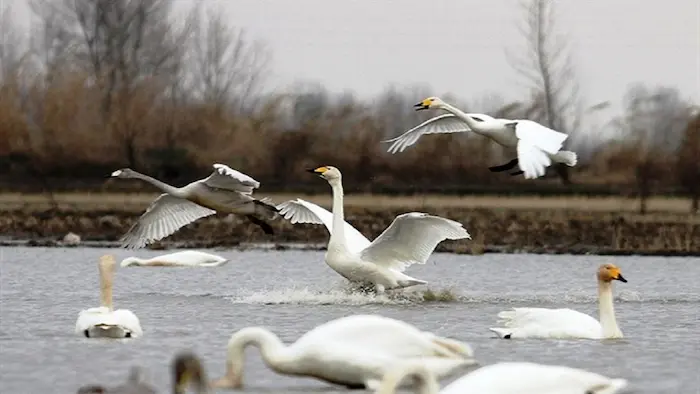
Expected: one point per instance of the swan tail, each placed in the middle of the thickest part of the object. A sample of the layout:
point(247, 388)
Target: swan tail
point(566, 157)
point(455, 348)
point(501, 332)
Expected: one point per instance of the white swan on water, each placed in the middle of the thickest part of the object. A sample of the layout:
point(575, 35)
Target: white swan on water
point(566, 323)
point(185, 258)
point(505, 378)
point(104, 321)
point(225, 190)
point(353, 351)
point(534, 146)
point(410, 239)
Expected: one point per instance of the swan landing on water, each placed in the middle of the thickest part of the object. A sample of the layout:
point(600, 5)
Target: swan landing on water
point(534, 146)
point(566, 323)
point(104, 321)
point(185, 258)
point(353, 351)
point(410, 239)
point(505, 378)
point(225, 190)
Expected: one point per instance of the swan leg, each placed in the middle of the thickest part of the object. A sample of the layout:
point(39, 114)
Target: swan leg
point(504, 167)
point(261, 223)
point(517, 173)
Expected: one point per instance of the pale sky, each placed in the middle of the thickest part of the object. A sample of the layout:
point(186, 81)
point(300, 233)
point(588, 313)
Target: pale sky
point(458, 46)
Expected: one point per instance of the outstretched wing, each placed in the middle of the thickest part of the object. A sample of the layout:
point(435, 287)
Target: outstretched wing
point(411, 239)
point(300, 211)
point(442, 124)
point(166, 215)
point(544, 138)
point(225, 177)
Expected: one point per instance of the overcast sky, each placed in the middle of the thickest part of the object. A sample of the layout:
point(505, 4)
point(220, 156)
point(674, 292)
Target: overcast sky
point(459, 46)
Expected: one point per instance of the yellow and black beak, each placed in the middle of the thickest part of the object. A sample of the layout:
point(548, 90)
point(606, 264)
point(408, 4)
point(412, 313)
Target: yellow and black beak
point(620, 278)
point(425, 104)
point(318, 170)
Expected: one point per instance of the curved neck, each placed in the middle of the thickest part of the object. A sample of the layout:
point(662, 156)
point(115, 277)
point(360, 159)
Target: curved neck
point(274, 353)
point(473, 124)
point(606, 311)
point(425, 380)
point(164, 187)
point(338, 227)
point(106, 278)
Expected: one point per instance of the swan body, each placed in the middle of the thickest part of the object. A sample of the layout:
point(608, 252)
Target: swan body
point(566, 323)
point(186, 258)
point(353, 351)
point(534, 145)
point(410, 239)
point(104, 321)
point(507, 378)
point(186, 370)
point(225, 190)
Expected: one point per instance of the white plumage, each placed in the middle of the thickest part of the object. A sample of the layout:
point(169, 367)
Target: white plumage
point(185, 258)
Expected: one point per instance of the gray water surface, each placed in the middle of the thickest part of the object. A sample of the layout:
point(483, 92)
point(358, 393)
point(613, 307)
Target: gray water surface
point(42, 290)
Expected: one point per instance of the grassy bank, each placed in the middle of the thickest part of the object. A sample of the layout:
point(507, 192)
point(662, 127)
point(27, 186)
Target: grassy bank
point(507, 224)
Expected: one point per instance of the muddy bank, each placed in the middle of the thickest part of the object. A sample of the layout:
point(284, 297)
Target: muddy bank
point(504, 231)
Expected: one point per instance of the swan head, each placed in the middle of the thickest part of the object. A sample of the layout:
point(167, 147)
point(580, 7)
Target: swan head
point(430, 103)
point(328, 173)
point(129, 261)
point(610, 272)
point(187, 370)
point(124, 173)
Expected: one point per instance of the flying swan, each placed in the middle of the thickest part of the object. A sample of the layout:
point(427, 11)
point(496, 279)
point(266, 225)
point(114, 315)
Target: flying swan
point(506, 378)
point(410, 239)
point(534, 146)
point(186, 370)
point(225, 190)
point(104, 321)
point(186, 258)
point(566, 323)
point(353, 351)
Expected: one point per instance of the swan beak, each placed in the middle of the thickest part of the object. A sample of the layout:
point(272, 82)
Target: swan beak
point(621, 278)
point(117, 173)
point(318, 171)
point(421, 106)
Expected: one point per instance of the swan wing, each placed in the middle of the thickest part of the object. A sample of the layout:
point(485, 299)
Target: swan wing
point(544, 138)
point(300, 211)
point(92, 317)
point(442, 124)
point(547, 323)
point(532, 378)
point(410, 239)
point(532, 160)
point(164, 216)
point(225, 177)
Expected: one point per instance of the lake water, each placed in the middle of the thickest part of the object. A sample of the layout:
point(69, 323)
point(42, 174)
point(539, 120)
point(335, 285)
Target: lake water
point(43, 290)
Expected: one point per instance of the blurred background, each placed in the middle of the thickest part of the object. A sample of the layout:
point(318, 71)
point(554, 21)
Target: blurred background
point(270, 88)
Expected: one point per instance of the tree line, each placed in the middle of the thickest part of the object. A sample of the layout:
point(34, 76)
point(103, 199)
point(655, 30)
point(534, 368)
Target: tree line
point(97, 85)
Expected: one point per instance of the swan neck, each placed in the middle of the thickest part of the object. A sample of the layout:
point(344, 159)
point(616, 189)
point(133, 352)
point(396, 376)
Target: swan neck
point(338, 211)
point(164, 187)
point(606, 311)
point(106, 279)
point(426, 382)
point(474, 125)
point(274, 353)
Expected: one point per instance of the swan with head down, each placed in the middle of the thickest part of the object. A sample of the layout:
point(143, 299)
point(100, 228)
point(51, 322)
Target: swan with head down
point(353, 351)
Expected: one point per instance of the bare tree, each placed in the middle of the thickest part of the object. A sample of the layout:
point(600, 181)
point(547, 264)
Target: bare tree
point(688, 166)
point(548, 67)
point(12, 51)
point(227, 68)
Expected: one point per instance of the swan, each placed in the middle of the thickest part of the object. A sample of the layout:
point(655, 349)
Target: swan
point(186, 258)
point(225, 190)
point(506, 378)
point(104, 321)
point(410, 239)
point(535, 146)
point(352, 351)
point(566, 323)
point(186, 369)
